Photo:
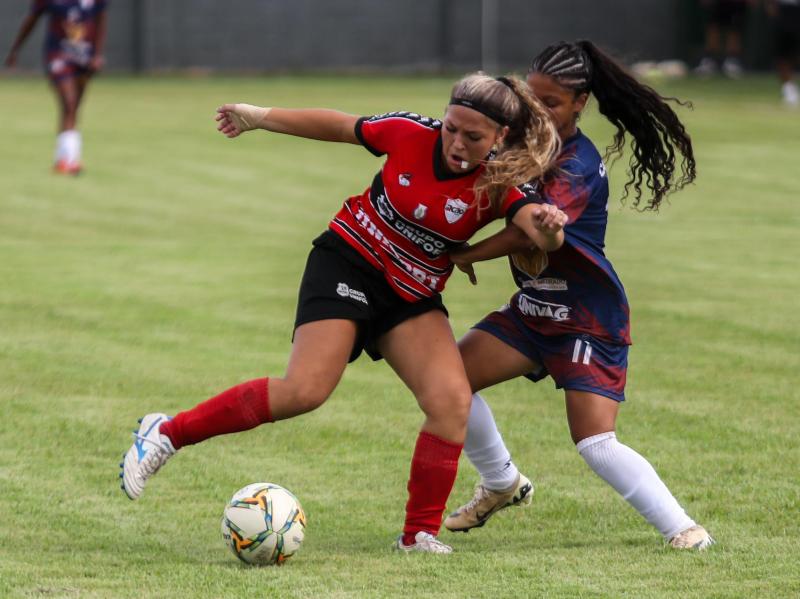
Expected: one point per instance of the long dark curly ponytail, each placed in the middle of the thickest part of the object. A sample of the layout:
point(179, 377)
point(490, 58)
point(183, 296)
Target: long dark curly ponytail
point(632, 107)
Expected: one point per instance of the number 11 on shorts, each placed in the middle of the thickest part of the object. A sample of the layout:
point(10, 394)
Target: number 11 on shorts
point(584, 346)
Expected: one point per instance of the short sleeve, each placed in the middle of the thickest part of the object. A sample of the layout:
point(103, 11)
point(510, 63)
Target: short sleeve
point(520, 196)
point(383, 133)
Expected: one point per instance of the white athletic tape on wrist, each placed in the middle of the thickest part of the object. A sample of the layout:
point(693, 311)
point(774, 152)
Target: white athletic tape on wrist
point(247, 117)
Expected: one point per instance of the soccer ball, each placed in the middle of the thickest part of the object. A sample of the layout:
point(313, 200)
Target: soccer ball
point(263, 524)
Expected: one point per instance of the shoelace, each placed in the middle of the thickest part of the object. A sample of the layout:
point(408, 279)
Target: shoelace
point(431, 543)
point(153, 460)
point(481, 493)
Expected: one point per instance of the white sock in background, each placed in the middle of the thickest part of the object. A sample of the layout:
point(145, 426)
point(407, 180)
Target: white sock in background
point(61, 146)
point(72, 146)
point(635, 479)
point(485, 448)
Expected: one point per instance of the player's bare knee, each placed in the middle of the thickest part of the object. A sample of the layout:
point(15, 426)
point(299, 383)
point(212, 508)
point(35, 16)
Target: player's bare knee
point(306, 394)
point(448, 405)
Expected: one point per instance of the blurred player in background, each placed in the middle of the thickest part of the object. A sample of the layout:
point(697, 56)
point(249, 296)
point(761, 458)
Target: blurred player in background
point(726, 20)
point(570, 318)
point(373, 279)
point(786, 17)
point(73, 52)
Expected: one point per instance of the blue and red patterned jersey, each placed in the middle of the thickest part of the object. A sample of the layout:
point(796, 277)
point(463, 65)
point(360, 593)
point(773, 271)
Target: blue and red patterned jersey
point(574, 289)
point(415, 211)
point(71, 27)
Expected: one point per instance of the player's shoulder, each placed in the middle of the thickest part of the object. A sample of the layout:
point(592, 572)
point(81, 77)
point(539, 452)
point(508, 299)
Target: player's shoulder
point(408, 119)
point(580, 157)
point(532, 190)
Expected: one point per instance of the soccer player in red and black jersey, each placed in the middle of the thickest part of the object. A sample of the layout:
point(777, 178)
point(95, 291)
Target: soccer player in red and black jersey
point(373, 279)
point(570, 318)
point(73, 52)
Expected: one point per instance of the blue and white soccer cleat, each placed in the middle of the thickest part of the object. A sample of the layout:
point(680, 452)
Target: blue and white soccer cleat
point(148, 453)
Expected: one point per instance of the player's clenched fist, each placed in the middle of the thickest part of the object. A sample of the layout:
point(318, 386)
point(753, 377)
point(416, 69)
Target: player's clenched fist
point(548, 218)
point(235, 119)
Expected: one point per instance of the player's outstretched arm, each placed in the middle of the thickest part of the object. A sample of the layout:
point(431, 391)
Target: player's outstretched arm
point(24, 31)
point(312, 123)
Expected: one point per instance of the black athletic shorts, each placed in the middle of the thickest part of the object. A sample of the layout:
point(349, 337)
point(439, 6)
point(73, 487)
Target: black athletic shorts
point(339, 283)
point(728, 13)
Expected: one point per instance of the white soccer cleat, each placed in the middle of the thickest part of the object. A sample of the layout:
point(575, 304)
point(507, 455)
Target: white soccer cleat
point(695, 537)
point(148, 453)
point(424, 542)
point(486, 502)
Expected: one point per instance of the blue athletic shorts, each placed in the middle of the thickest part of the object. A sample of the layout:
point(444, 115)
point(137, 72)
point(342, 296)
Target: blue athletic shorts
point(576, 362)
point(58, 67)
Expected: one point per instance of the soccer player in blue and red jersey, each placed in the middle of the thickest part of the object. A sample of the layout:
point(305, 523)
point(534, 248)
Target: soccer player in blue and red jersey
point(73, 52)
point(569, 318)
point(373, 279)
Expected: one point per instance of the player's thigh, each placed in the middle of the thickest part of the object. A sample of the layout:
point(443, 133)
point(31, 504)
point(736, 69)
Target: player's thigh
point(320, 352)
point(422, 351)
point(590, 414)
point(489, 361)
point(66, 90)
point(81, 82)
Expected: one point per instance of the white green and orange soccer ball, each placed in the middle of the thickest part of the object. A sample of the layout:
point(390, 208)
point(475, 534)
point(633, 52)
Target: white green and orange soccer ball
point(263, 524)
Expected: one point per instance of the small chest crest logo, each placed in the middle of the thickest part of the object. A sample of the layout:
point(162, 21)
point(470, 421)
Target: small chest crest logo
point(420, 211)
point(454, 209)
point(404, 179)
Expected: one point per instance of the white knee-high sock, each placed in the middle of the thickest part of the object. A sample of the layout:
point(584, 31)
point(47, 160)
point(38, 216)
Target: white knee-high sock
point(68, 146)
point(635, 479)
point(61, 147)
point(73, 145)
point(485, 448)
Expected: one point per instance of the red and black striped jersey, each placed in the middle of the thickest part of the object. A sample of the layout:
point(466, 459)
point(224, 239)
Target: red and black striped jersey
point(415, 210)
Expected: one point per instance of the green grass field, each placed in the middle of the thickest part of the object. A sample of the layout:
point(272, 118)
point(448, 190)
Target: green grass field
point(169, 271)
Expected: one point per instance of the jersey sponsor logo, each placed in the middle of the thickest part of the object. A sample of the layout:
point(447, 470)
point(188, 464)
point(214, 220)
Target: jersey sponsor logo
point(344, 290)
point(412, 116)
point(533, 307)
point(454, 209)
point(404, 179)
point(531, 187)
point(431, 245)
point(429, 280)
point(420, 211)
point(384, 208)
point(530, 262)
point(546, 284)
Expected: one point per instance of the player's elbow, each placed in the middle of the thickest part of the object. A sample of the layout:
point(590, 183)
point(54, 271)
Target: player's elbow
point(550, 243)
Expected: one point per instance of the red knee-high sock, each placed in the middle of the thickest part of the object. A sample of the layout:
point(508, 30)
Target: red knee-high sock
point(433, 472)
point(240, 408)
